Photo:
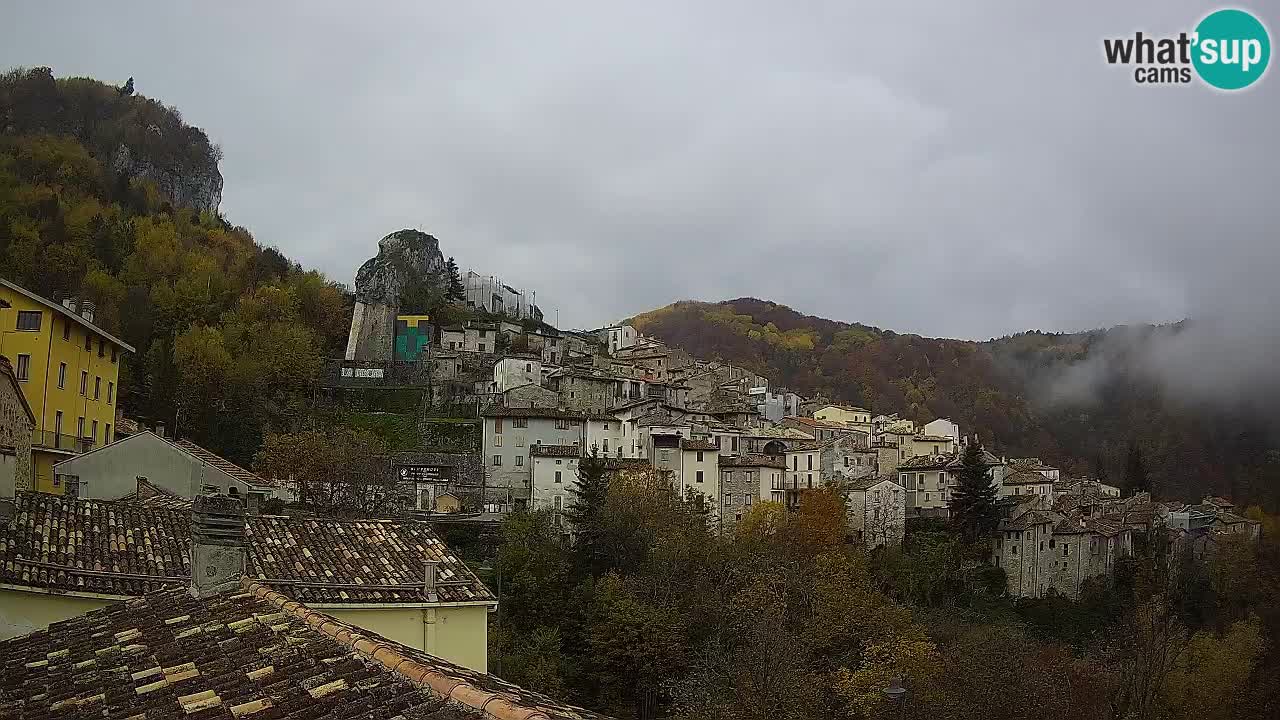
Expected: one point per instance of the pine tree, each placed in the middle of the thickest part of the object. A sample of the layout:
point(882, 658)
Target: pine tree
point(457, 293)
point(585, 512)
point(973, 502)
point(1135, 471)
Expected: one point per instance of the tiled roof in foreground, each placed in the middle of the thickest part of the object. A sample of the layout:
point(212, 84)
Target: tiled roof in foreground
point(249, 655)
point(123, 549)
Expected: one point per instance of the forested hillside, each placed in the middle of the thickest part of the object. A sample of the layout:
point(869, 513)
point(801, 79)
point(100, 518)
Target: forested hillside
point(229, 333)
point(1012, 391)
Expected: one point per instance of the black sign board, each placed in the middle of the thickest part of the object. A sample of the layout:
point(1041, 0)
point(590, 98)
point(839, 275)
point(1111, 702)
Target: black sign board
point(426, 473)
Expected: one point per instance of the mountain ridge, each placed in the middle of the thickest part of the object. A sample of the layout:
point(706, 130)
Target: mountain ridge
point(1025, 394)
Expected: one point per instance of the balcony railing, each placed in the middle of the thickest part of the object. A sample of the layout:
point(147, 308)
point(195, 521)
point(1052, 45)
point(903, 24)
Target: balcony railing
point(48, 440)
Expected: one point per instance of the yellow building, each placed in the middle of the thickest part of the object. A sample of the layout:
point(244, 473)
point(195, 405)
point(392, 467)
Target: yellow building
point(69, 370)
point(854, 417)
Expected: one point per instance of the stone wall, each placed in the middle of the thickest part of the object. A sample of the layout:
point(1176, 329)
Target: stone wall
point(15, 436)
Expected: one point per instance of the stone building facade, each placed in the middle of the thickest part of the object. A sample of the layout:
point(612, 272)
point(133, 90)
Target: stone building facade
point(16, 426)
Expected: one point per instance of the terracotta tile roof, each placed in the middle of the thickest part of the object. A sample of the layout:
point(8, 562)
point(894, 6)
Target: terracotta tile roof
point(148, 494)
point(753, 461)
point(534, 413)
point(866, 483)
point(927, 462)
point(223, 464)
point(811, 422)
point(807, 445)
point(624, 463)
point(360, 560)
point(236, 655)
point(1218, 502)
point(560, 451)
point(698, 445)
point(1025, 477)
point(1029, 520)
point(127, 549)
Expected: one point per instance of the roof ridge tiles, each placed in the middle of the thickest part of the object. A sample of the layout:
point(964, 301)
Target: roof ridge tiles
point(489, 704)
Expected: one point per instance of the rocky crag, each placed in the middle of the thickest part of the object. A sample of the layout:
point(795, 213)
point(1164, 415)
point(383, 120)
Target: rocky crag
point(409, 270)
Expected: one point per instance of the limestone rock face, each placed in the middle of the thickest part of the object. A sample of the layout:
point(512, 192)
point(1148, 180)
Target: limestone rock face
point(408, 262)
point(404, 257)
point(198, 189)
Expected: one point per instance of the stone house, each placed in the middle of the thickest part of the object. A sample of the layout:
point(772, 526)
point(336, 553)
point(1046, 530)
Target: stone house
point(803, 471)
point(1025, 482)
point(590, 390)
point(848, 457)
point(1044, 552)
point(480, 337)
point(516, 370)
point(746, 480)
point(17, 423)
point(507, 437)
point(700, 471)
point(877, 509)
point(453, 337)
point(530, 396)
point(554, 475)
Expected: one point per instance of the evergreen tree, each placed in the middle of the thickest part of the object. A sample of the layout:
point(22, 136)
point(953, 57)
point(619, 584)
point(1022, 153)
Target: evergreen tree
point(973, 502)
point(1135, 471)
point(457, 293)
point(585, 513)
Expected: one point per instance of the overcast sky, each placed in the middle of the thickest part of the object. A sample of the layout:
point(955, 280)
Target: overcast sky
point(952, 169)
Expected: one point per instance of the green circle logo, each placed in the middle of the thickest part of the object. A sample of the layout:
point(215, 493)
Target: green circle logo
point(1232, 49)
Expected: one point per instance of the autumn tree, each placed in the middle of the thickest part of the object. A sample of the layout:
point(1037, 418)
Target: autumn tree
point(338, 470)
point(973, 501)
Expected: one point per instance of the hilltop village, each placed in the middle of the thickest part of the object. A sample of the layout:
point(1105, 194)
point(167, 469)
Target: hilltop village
point(506, 413)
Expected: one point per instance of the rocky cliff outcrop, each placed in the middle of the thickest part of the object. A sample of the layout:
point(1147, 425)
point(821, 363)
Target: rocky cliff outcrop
point(198, 188)
point(126, 133)
point(410, 271)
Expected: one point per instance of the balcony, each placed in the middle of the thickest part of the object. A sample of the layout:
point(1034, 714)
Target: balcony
point(47, 440)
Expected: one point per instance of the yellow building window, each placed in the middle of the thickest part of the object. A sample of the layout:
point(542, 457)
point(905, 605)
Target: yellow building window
point(29, 320)
point(24, 367)
point(84, 382)
point(62, 375)
point(97, 387)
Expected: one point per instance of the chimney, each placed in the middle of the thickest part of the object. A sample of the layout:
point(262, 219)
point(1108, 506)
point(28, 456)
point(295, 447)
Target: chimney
point(86, 310)
point(430, 581)
point(160, 429)
point(217, 545)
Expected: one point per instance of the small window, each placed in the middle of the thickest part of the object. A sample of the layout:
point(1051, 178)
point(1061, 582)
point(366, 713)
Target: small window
point(519, 461)
point(106, 436)
point(115, 352)
point(24, 367)
point(1013, 549)
point(497, 425)
point(62, 375)
point(528, 367)
point(97, 387)
point(66, 330)
point(558, 476)
point(80, 426)
point(94, 433)
point(497, 461)
point(88, 342)
point(102, 347)
point(497, 441)
point(520, 422)
point(698, 477)
point(111, 392)
point(29, 320)
point(84, 382)
point(699, 456)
